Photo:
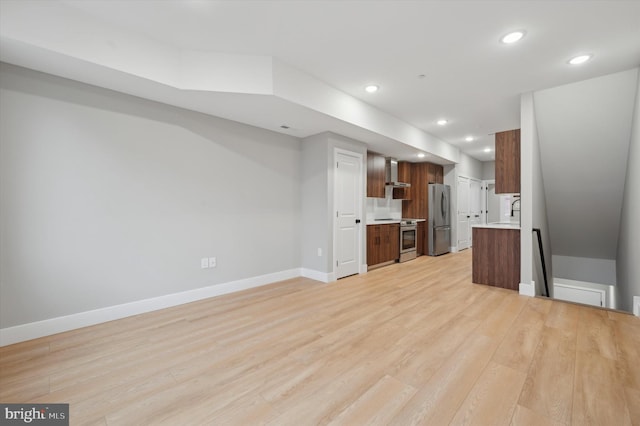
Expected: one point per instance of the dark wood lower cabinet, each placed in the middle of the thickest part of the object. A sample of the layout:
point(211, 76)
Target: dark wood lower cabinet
point(496, 257)
point(383, 243)
point(420, 240)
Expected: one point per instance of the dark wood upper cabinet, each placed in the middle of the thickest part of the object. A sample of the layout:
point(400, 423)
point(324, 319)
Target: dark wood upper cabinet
point(439, 172)
point(375, 175)
point(421, 175)
point(435, 173)
point(508, 162)
point(431, 173)
point(415, 199)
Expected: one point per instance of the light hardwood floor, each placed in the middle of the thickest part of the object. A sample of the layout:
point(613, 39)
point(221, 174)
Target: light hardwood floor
point(412, 343)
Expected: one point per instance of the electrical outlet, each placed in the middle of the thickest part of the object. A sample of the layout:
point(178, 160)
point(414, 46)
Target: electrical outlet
point(636, 306)
point(319, 252)
point(204, 263)
point(212, 262)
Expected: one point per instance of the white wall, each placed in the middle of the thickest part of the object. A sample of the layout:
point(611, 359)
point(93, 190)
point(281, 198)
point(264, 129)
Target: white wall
point(533, 211)
point(315, 204)
point(539, 215)
point(469, 167)
point(317, 200)
point(488, 170)
point(628, 250)
point(106, 198)
point(384, 208)
point(599, 271)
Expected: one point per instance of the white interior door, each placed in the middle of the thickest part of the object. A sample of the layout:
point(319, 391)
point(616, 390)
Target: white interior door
point(348, 205)
point(475, 207)
point(463, 213)
point(493, 204)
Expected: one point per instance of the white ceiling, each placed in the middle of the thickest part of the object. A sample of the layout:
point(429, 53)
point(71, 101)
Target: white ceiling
point(470, 78)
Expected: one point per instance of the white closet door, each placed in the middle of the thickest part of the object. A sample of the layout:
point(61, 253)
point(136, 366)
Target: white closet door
point(463, 213)
point(475, 206)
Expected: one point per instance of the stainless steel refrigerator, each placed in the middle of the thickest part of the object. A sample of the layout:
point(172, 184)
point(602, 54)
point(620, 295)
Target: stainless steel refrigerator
point(439, 219)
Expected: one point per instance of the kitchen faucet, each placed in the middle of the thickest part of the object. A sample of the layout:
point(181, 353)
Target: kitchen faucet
point(512, 204)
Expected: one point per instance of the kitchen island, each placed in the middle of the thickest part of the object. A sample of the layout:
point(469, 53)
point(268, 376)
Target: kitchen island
point(496, 255)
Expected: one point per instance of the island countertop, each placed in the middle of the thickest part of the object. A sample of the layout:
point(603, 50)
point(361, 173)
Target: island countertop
point(498, 225)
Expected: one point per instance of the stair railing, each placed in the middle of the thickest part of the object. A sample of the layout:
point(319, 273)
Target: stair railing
point(544, 267)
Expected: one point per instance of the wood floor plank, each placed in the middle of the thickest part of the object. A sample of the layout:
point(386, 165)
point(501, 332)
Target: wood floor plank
point(412, 343)
point(498, 323)
point(336, 395)
point(523, 416)
point(628, 353)
point(632, 398)
point(564, 316)
point(595, 333)
point(431, 351)
point(598, 398)
point(24, 390)
point(519, 346)
point(378, 404)
point(548, 389)
point(439, 399)
point(492, 400)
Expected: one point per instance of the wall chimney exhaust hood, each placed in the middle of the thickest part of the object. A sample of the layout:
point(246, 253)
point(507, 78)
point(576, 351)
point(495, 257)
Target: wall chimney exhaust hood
point(392, 174)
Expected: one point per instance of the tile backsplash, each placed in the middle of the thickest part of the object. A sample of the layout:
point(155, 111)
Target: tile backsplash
point(384, 208)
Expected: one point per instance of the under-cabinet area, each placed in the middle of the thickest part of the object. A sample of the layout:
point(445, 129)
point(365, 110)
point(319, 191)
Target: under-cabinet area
point(496, 256)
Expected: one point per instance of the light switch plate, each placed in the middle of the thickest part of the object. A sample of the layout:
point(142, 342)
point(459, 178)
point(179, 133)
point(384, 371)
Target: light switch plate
point(204, 263)
point(212, 262)
point(636, 306)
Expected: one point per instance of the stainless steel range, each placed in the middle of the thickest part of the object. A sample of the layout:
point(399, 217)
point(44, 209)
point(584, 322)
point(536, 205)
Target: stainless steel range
point(408, 239)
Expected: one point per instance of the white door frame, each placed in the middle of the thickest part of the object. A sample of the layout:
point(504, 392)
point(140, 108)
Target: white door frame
point(359, 213)
point(466, 227)
point(485, 199)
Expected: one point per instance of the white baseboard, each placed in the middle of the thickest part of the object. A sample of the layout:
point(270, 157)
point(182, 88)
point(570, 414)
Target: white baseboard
point(34, 330)
point(528, 289)
point(316, 275)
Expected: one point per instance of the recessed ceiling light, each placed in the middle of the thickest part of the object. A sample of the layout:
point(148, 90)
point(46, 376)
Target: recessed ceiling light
point(487, 150)
point(372, 88)
point(581, 59)
point(442, 122)
point(468, 138)
point(421, 155)
point(512, 37)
